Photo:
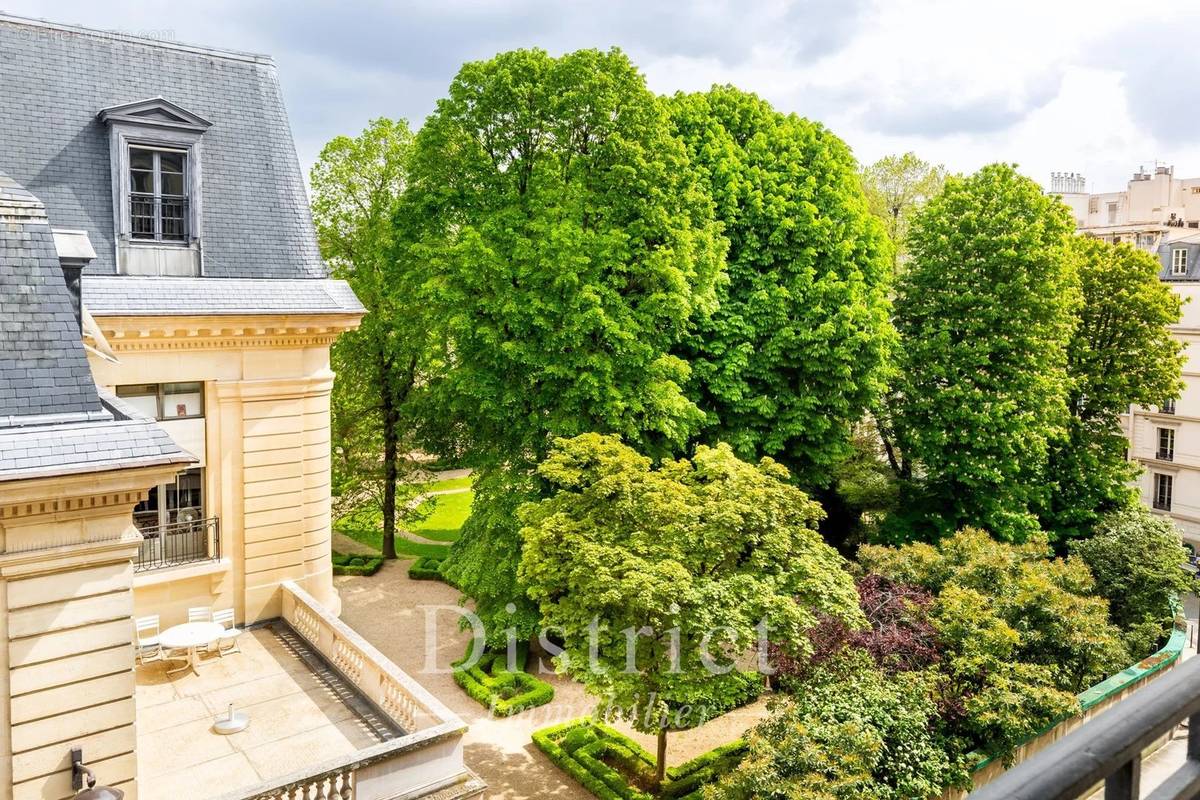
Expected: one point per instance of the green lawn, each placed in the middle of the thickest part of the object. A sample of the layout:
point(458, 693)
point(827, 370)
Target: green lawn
point(442, 525)
point(449, 512)
point(452, 483)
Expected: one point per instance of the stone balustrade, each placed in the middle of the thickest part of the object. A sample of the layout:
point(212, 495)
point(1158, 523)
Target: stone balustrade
point(426, 761)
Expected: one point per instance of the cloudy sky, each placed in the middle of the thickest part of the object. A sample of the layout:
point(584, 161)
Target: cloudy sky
point(1092, 86)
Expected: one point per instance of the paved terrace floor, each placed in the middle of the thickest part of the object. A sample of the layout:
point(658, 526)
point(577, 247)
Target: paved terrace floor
point(298, 717)
point(391, 612)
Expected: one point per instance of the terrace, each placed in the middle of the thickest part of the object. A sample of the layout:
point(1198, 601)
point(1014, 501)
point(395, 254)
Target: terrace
point(329, 717)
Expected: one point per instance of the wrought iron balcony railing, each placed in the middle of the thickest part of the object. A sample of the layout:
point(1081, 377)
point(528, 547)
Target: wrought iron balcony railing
point(179, 543)
point(1109, 748)
point(1166, 455)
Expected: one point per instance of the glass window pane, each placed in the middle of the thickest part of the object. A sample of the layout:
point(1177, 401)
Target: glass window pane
point(183, 400)
point(145, 513)
point(140, 158)
point(185, 501)
point(172, 183)
point(171, 162)
point(141, 181)
point(143, 397)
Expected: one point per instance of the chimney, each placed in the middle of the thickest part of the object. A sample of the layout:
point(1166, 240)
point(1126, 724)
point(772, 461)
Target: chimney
point(74, 253)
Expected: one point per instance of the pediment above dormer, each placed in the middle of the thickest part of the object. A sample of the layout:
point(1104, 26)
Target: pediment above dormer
point(156, 111)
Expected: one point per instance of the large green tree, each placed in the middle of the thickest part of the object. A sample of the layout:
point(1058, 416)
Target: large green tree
point(568, 246)
point(985, 310)
point(357, 185)
point(794, 354)
point(896, 187)
point(1122, 353)
point(637, 568)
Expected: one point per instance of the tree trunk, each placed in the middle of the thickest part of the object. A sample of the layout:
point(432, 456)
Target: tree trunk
point(660, 774)
point(390, 447)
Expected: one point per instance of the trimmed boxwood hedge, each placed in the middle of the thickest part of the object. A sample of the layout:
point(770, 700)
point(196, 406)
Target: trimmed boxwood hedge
point(426, 568)
point(489, 683)
point(347, 564)
point(578, 748)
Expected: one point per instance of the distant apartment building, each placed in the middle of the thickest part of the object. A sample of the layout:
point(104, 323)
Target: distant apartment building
point(1160, 214)
point(165, 325)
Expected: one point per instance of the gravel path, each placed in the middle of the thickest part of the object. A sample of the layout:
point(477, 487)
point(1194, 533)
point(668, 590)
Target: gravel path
point(394, 613)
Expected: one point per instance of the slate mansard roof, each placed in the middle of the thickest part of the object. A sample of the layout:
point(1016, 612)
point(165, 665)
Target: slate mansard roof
point(53, 421)
point(57, 78)
point(43, 369)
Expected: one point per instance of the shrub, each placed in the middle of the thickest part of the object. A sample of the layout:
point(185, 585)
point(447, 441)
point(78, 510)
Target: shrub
point(1136, 557)
point(344, 564)
point(490, 684)
point(587, 750)
point(855, 732)
point(426, 568)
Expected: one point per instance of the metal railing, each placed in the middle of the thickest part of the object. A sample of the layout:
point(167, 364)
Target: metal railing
point(1109, 749)
point(1166, 455)
point(179, 543)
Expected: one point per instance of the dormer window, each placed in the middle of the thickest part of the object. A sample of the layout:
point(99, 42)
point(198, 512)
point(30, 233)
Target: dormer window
point(158, 194)
point(155, 153)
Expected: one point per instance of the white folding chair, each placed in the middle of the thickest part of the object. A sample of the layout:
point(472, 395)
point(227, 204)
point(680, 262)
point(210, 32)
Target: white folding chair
point(228, 641)
point(146, 633)
point(200, 614)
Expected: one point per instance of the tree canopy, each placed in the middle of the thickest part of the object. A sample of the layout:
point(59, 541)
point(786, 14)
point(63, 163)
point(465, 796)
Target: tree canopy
point(896, 187)
point(794, 353)
point(1121, 353)
point(985, 311)
point(663, 558)
point(568, 246)
point(357, 186)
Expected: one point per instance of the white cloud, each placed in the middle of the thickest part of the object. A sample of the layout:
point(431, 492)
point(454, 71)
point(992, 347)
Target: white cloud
point(1098, 86)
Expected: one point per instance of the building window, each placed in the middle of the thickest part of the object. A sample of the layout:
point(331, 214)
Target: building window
point(1112, 213)
point(173, 526)
point(1166, 444)
point(1168, 407)
point(1179, 261)
point(177, 502)
point(158, 194)
point(1163, 486)
point(1093, 205)
point(164, 401)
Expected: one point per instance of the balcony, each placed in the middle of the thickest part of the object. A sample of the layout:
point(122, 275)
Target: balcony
point(1109, 749)
point(330, 717)
point(1165, 455)
point(178, 543)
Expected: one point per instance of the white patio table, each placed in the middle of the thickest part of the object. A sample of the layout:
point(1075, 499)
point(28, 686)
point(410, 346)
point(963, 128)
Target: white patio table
point(190, 636)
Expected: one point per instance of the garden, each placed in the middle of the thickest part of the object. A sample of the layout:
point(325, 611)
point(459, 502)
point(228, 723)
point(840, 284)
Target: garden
point(740, 410)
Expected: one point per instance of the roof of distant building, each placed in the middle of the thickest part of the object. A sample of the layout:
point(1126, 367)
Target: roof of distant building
point(57, 80)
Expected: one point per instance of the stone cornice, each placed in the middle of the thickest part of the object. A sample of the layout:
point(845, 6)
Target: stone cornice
point(166, 333)
point(81, 494)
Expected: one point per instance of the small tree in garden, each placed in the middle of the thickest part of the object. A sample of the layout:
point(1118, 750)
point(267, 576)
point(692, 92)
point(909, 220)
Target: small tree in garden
point(898, 636)
point(658, 578)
